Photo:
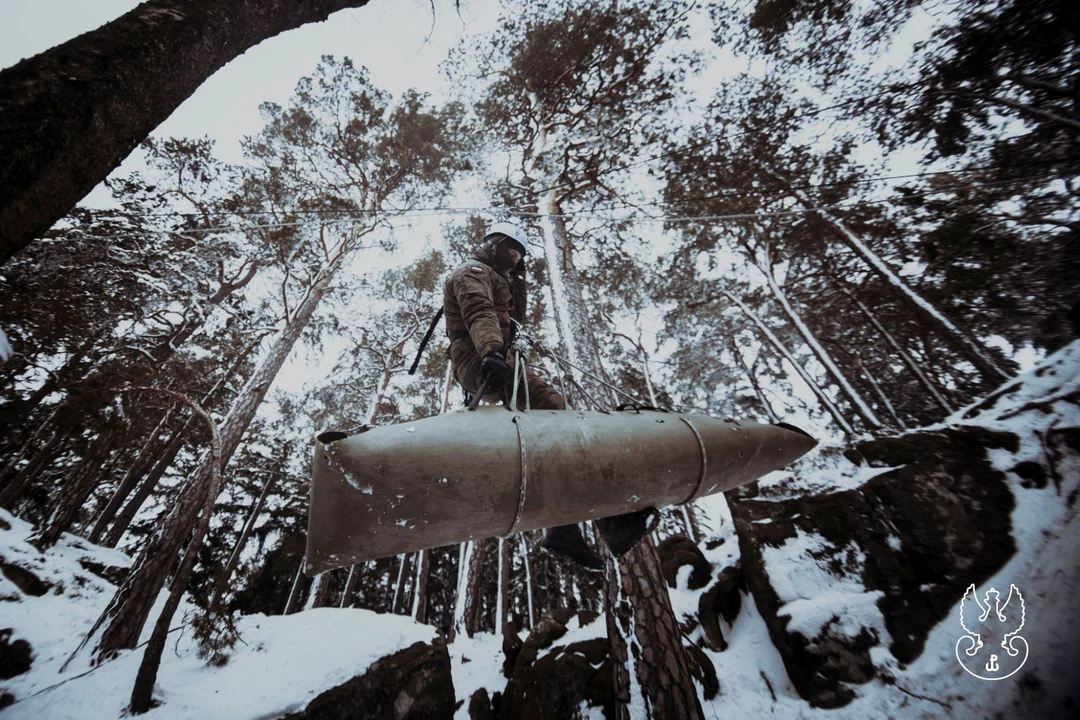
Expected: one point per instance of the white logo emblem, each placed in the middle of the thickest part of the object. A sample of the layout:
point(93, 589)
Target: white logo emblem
point(992, 648)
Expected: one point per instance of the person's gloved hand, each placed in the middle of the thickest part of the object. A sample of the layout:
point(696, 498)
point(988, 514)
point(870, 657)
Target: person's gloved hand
point(494, 369)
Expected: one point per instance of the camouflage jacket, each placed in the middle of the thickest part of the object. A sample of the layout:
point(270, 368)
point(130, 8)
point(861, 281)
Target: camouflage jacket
point(478, 303)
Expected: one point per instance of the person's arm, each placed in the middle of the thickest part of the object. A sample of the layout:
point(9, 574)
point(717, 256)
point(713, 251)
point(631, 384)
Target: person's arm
point(472, 288)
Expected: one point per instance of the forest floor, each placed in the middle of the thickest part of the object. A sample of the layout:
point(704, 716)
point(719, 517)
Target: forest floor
point(284, 662)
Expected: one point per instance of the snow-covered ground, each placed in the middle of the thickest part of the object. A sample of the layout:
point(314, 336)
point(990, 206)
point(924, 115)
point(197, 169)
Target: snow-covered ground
point(284, 662)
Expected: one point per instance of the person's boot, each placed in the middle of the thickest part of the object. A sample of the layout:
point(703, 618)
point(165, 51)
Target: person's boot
point(623, 532)
point(566, 540)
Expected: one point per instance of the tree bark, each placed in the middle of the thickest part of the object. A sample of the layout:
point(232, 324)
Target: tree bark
point(752, 379)
point(474, 594)
point(502, 610)
point(13, 491)
point(70, 115)
point(142, 693)
point(780, 348)
point(642, 629)
point(146, 486)
point(127, 611)
point(652, 677)
point(397, 607)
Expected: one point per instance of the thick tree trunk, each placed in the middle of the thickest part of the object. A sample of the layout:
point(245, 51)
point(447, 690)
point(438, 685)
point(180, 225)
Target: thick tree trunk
point(474, 593)
point(128, 609)
point(142, 693)
point(70, 115)
point(652, 677)
point(651, 673)
point(318, 592)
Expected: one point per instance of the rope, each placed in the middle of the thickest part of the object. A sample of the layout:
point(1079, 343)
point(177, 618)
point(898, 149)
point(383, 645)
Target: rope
point(524, 479)
point(704, 461)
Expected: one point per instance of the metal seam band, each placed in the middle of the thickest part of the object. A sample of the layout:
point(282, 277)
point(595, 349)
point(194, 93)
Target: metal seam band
point(704, 461)
point(524, 480)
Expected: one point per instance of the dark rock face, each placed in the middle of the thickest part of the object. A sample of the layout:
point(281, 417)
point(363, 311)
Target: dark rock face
point(15, 657)
point(552, 685)
point(722, 600)
point(913, 538)
point(26, 581)
point(679, 550)
point(412, 684)
point(113, 574)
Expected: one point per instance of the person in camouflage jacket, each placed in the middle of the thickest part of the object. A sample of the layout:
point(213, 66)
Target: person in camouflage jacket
point(482, 299)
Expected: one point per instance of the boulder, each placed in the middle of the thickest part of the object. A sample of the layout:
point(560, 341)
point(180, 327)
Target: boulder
point(679, 550)
point(554, 686)
point(412, 684)
point(837, 574)
point(721, 600)
point(27, 582)
point(15, 657)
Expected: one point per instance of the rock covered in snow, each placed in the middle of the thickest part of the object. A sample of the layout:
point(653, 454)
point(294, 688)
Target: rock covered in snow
point(838, 574)
point(412, 684)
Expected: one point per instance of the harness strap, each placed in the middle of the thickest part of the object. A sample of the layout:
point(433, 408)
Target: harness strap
point(524, 479)
point(704, 461)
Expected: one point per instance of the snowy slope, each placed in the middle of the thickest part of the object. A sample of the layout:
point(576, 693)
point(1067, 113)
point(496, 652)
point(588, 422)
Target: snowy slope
point(282, 664)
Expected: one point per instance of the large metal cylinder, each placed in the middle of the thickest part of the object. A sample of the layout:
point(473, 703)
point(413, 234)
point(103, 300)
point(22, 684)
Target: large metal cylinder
point(469, 475)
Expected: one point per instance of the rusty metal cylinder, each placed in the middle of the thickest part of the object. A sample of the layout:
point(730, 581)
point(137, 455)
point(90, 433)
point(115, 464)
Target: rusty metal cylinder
point(470, 475)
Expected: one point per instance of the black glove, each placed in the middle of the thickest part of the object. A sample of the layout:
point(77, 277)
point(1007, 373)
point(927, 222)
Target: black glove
point(494, 370)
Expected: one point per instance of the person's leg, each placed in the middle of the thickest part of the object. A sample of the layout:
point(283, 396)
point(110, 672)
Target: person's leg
point(623, 532)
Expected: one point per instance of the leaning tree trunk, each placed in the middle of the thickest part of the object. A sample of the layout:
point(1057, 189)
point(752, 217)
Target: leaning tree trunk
point(736, 352)
point(145, 487)
point(245, 532)
point(904, 354)
point(819, 350)
point(972, 349)
point(127, 611)
point(13, 491)
point(419, 602)
point(71, 114)
point(78, 486)
point(828, 404)
point(651, 673)
point(138, 468)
